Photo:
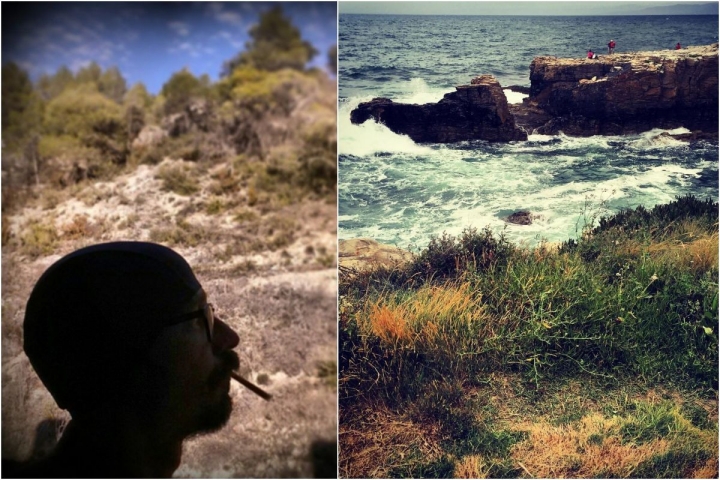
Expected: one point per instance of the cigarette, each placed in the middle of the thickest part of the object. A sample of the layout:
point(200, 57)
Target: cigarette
point(254, 388)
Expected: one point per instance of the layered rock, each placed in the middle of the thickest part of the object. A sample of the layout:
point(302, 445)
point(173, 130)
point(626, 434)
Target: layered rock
point(366, 253)
point(623, 93)
point(478, 111)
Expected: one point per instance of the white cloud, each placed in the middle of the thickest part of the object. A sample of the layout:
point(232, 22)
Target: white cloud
point(230, 39)
point(76, 65)
point(71, 37)
point(218, 12)
point(232, 18)
point(179, 28)
point(192, 49)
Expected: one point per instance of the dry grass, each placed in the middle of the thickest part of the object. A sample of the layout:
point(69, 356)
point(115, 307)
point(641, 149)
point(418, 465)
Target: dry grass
point(429, 317)
point(691, 247)
point(708, 470)
point(574, 431)
point(620, 446)
point(699, 252)
point(78, 227)
point(590, 448)
point(386, 441)
point(471, 466)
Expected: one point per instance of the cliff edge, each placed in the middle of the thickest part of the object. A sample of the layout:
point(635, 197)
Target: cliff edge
point(623, 93)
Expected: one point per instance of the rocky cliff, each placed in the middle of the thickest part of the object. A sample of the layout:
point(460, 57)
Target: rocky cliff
point(623, 93)
point(478, 111)
point(612, 95)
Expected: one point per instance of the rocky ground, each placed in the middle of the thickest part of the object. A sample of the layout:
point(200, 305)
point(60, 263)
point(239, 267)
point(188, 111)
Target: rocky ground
point(268, 266)
point(364, 253)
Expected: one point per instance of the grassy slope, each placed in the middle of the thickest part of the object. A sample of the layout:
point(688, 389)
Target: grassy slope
point(594, 359)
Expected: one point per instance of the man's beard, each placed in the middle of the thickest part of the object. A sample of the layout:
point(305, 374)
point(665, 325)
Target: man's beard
point(215, 416)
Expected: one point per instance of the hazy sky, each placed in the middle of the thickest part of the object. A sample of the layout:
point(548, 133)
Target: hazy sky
point(502, 8)
point(147, 41)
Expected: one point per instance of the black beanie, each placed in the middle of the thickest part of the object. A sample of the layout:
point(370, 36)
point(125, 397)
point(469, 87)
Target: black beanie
point(96, 310)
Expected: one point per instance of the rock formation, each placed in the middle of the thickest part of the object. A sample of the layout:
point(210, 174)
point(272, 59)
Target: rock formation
point(613, 95)
point(478, 111)
point(523, 217)
point(366, 253)
point(623, 93)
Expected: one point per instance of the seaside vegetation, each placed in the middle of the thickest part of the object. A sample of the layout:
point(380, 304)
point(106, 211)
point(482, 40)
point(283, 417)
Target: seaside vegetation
point(595, 358)
point(270, 118)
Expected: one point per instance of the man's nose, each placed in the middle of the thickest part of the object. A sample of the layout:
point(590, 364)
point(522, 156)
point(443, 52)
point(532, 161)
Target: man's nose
point(224, 337)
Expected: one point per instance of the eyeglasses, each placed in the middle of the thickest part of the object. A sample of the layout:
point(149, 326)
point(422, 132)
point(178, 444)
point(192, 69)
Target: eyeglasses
point(208, 312)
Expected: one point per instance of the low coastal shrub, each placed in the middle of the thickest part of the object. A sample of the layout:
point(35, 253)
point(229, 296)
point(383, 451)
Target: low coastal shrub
point(39, 239)
point(633, 302)
point(178, 179)
point(646, 305)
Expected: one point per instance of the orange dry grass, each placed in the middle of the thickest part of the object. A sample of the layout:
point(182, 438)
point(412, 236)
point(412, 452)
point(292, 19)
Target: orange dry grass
point(708, 470)
point(389, 324)
point(471, 466)
point(696, 250)
point(567, 452)
point(700, 254)
point(425, 314)
point(374, 440)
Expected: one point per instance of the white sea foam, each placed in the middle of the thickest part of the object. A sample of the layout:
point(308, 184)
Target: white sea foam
point(371, 137)
point(514, 97)
point(419, 92)
point(655, 139)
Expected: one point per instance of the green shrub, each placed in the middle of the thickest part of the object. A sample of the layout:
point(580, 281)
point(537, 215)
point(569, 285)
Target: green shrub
point(181, 89)
point(39, 239)
point(182, 233)
point(93, 120)
point(179, 179)
point(318, 159)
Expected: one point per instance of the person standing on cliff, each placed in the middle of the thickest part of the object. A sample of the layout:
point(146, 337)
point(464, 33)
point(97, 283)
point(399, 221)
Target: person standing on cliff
point(678, 46)
point(590, 54)
point(611, 46)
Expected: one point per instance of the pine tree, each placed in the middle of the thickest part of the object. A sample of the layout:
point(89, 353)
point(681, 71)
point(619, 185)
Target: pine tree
point(276, 44)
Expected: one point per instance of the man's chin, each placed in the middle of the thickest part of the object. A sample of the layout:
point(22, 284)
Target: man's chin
point(216, 417)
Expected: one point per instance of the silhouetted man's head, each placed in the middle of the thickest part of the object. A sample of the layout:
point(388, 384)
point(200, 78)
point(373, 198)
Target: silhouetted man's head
point(126, 326)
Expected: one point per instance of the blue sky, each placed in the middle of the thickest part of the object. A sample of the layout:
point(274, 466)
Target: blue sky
point(148, 41)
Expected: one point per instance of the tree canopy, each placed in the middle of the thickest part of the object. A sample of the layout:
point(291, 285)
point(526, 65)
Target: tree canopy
point(276, 44)
point(182, 87)
point(21, 106)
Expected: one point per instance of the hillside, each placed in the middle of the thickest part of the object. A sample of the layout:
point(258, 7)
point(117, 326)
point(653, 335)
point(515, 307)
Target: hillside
point(478, 358)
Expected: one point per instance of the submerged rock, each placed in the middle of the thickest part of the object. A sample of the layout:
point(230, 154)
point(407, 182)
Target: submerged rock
point(523, 217)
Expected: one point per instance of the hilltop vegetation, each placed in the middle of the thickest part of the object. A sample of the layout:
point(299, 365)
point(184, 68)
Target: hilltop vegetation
point(267, 109)
point(597, 358)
